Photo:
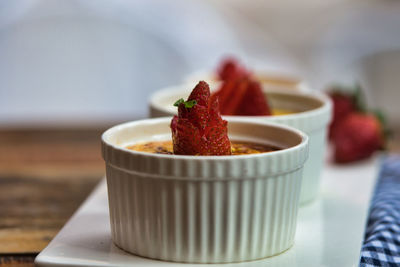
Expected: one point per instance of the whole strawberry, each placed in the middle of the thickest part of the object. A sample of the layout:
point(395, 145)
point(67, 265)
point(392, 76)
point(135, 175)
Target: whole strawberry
point(199, 128)
point(357, 137)
point(343, 105)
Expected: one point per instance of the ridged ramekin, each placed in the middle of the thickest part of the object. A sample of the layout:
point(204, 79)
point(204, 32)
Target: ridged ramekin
point(313, 114)
point(274, 80)
point(204, 209)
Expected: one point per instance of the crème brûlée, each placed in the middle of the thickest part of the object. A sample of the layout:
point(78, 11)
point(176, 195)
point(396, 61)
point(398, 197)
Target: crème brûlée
point(238, 148)
point(280, 111)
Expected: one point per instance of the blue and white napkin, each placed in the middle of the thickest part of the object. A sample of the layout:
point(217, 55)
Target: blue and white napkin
point(382, 238)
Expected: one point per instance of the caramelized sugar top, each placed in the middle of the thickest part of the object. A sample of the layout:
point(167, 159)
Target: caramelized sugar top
point(238, 148)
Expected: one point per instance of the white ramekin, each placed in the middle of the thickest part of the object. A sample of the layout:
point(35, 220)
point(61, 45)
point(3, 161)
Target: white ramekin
point(204, 209)
point(272, 80)
point(313, 114)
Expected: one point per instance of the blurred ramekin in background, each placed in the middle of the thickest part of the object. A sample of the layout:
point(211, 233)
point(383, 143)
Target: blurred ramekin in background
point(271, 80)
point(311, 114)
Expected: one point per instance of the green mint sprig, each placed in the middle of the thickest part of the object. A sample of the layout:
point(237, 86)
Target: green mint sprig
point(188, 104)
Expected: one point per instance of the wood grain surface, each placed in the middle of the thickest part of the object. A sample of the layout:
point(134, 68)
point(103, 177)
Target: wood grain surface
point(44, 177)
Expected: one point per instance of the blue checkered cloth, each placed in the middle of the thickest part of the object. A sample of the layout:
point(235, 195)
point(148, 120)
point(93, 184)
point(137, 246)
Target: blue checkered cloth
point(382, 238)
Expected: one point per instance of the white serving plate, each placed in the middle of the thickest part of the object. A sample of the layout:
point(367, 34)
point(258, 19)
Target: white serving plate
point(329, 233)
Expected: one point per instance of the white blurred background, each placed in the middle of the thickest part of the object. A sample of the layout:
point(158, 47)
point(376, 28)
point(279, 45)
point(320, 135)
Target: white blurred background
point(93, 61)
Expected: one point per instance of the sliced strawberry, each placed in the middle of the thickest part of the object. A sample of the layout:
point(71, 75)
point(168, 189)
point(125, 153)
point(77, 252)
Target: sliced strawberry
point(244, 97)
point(199, 129)
point(357, 137)
point(186, 137)
point(231, 69)
point(201, 93)
point(217, 143)
point(254, 101)
point(199, 116)
point(239, 94)
point(214, 107)
point(236, 99)
point(224, 94)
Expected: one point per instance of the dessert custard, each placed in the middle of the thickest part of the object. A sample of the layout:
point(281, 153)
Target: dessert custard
point(279, 111)
point(238, 148)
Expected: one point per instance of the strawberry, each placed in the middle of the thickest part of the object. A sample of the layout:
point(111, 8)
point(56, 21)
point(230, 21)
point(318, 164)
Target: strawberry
point(254, 101)
point(242, 96)
point(231, 94)
point(343, 105)
point(199, 128)
point(357, 137)
point(239, 94)
point(231, 69)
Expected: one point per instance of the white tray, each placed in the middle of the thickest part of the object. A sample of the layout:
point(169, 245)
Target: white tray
point(329, 233)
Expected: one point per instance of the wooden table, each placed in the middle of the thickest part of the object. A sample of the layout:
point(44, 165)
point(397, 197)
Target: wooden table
point(44, 177)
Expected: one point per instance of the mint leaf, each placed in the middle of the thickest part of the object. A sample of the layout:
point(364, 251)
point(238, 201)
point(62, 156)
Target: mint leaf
point(188, 104)
point(178, 102)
